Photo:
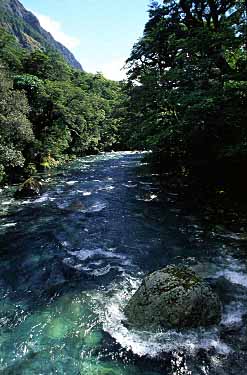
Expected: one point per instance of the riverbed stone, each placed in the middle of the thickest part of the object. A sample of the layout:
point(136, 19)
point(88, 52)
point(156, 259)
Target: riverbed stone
point(173, 297)
point(30, 188)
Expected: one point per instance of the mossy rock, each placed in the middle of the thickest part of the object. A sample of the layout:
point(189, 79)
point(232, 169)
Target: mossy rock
point(173, 297)
point(30, 188)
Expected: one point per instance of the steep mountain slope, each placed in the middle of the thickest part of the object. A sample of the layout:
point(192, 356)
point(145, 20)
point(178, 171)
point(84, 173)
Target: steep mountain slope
point(28, 31)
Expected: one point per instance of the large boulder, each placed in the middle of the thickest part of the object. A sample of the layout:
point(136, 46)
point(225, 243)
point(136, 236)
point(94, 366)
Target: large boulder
point(173, 297)
point(30, 188)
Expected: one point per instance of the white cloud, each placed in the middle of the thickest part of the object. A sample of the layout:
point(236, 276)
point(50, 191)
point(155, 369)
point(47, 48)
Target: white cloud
point(55, 28)
point(112, 69)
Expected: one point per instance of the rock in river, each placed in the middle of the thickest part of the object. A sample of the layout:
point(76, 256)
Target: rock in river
point(173, 297)
point(31, 187)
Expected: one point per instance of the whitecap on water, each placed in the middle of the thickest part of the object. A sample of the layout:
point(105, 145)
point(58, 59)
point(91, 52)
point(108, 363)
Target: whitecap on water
point(63, 205)
point(143, 163)
point(79, 206)
point(130, 185)
point(80, 267)
point(233, 313)
point(106, 188)
point(236, 277)
point(86, 268)
point(84, 193)
point(96, 207)
point(232, 270)
point(147, 198)
point(87, 254)
point(101, 271)
point(235, 272)
point(66, 244)
point(231, 235)
point(42, 199)
point(71, 183)
point(8, 225)
point(150, 343)
point(27, 201)
point(227, 266)
point(146, 183)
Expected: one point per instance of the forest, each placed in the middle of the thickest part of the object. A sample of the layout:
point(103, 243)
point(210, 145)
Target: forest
point(187, 89)
point(185, 98)
point(50, 112)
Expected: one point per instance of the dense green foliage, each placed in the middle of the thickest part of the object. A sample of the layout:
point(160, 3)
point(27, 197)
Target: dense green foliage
point(187, 91)
point(186, 95)
point(50, 111)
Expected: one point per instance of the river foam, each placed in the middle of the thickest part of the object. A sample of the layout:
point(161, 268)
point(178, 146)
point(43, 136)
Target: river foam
point(145, 343)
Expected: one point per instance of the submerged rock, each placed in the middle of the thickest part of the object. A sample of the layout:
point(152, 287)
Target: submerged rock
point(30, 188)
point(173, 297)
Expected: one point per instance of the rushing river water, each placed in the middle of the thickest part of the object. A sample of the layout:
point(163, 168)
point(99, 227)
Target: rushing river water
point(71, 259)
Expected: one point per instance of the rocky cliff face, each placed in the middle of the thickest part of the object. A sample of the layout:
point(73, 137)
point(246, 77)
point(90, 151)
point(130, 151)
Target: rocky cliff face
point(26, 28)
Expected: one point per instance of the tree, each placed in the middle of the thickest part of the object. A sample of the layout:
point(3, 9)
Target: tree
point(47, 65)
point(10, 52)
point(58, 111)
point(187, 78)
point(15, 128)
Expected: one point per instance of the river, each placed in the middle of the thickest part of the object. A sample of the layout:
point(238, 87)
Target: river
point(71, 259)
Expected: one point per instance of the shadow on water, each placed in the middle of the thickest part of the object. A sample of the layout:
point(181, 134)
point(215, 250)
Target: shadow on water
point(71, 258)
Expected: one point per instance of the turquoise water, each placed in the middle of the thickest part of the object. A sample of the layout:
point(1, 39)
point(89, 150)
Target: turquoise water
point(71, 259)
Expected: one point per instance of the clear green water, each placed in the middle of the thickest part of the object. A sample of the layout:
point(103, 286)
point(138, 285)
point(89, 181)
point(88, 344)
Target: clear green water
point(71, 259)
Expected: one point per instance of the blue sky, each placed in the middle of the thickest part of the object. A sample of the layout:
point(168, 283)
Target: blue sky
point(100, 33)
